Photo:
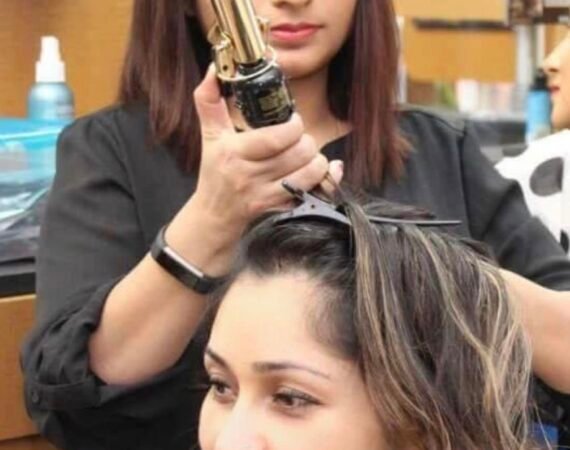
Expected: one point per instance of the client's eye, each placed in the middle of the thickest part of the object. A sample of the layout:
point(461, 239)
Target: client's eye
point(294, 400)
point(221, 390)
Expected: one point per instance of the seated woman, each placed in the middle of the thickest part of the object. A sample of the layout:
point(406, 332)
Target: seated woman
point(363, 336)
point(543, 169)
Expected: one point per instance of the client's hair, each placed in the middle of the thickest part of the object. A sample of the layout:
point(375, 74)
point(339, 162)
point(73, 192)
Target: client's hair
point(426, 317)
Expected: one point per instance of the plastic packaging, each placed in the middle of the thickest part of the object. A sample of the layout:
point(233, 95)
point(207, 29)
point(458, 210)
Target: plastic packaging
point(27, 164)
point(50, 98)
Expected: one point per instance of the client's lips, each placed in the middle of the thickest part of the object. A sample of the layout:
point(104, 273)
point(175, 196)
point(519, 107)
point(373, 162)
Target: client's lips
point(293, 33)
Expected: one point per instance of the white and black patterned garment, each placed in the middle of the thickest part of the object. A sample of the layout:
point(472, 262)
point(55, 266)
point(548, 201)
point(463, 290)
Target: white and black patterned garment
point(543, 171)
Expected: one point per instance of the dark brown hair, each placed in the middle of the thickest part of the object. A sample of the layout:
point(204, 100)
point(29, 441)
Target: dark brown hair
point(424, 315)
point(168, 55)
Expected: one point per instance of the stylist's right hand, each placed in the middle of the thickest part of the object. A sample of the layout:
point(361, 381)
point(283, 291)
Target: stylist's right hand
point(241, 174)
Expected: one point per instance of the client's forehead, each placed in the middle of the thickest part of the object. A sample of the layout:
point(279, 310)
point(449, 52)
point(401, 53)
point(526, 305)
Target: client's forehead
point(269, 318)
point(271, 306)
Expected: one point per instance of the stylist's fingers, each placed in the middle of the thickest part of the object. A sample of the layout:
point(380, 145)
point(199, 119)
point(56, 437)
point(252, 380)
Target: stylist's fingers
point(211, 107)
point(318, 175)
point(307, 178)
point(328, 185)
point(267, 142)
point(289, 160)
point(333, 179)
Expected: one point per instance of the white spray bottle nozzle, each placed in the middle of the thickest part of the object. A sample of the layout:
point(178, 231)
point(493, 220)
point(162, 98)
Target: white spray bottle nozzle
point(50, 49)
point(50, 68)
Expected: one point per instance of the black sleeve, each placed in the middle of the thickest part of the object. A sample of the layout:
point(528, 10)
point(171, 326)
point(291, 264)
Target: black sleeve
point(90, 239)
point(498, 215)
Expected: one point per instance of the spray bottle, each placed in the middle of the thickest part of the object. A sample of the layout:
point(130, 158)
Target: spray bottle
point(50, 98)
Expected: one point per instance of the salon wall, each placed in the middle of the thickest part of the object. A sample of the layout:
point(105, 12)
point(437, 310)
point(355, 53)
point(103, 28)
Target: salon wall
point(19, 26)
point(440, 54)
point(449, 54)
point(453, 9)
point(93, 35)
point(93, 38)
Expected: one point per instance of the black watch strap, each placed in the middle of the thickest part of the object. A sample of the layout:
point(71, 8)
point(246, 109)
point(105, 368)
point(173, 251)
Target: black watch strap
point(180, 269)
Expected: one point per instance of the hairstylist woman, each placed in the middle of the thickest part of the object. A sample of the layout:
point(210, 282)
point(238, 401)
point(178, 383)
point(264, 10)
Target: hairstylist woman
point(110, 364)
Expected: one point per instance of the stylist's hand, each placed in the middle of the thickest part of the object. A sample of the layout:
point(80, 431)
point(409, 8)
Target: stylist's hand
point(240, 177)
point(241, 174)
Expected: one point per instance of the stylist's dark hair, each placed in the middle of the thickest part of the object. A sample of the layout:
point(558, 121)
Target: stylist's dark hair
point(424, 315)
point(168, 56)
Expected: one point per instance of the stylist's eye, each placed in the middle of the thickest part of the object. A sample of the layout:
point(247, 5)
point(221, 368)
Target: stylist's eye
point(220, 390)
point(294, 401)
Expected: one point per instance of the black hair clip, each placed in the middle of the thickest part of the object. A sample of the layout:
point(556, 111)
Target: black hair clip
point(311, 206)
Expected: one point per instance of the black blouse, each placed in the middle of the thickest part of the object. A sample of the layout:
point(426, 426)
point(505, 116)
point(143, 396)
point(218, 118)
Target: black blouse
point(113, 191)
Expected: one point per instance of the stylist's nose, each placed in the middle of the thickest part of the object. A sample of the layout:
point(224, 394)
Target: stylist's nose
point(551, 64)
point(241, 432)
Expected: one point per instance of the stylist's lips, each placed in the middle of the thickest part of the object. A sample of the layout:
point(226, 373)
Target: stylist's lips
point(554, 90)
point(289, 33)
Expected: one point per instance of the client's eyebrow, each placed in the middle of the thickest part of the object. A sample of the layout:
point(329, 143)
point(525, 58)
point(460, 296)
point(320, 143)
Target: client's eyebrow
point(269, 366)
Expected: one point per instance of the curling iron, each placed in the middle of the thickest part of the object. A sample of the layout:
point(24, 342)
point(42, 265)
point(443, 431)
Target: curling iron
point(246, 65)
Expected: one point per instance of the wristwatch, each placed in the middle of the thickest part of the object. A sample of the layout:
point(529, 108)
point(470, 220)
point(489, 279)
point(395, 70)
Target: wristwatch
point(181, 269)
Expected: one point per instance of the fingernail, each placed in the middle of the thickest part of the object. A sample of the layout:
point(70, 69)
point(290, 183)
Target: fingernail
point(339, 164)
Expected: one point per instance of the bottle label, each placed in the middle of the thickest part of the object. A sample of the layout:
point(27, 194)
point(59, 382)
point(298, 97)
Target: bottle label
point(65, 111)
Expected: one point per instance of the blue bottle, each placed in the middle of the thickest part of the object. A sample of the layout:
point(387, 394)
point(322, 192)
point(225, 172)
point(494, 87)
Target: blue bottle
point(538, 108)
point(50, 98)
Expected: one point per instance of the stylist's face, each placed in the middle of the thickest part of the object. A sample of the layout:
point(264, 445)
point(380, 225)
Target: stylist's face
point(307, 34)
point(274, 387)
point(557, 67)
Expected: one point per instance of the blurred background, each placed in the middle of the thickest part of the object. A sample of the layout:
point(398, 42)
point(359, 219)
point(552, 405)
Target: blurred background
point(444, 41)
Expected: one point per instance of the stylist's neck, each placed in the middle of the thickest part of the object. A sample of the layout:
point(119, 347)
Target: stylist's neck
point(311, 101)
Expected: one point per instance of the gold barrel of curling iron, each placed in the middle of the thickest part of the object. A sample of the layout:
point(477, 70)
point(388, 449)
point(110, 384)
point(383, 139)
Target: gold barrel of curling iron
point(246, 64)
